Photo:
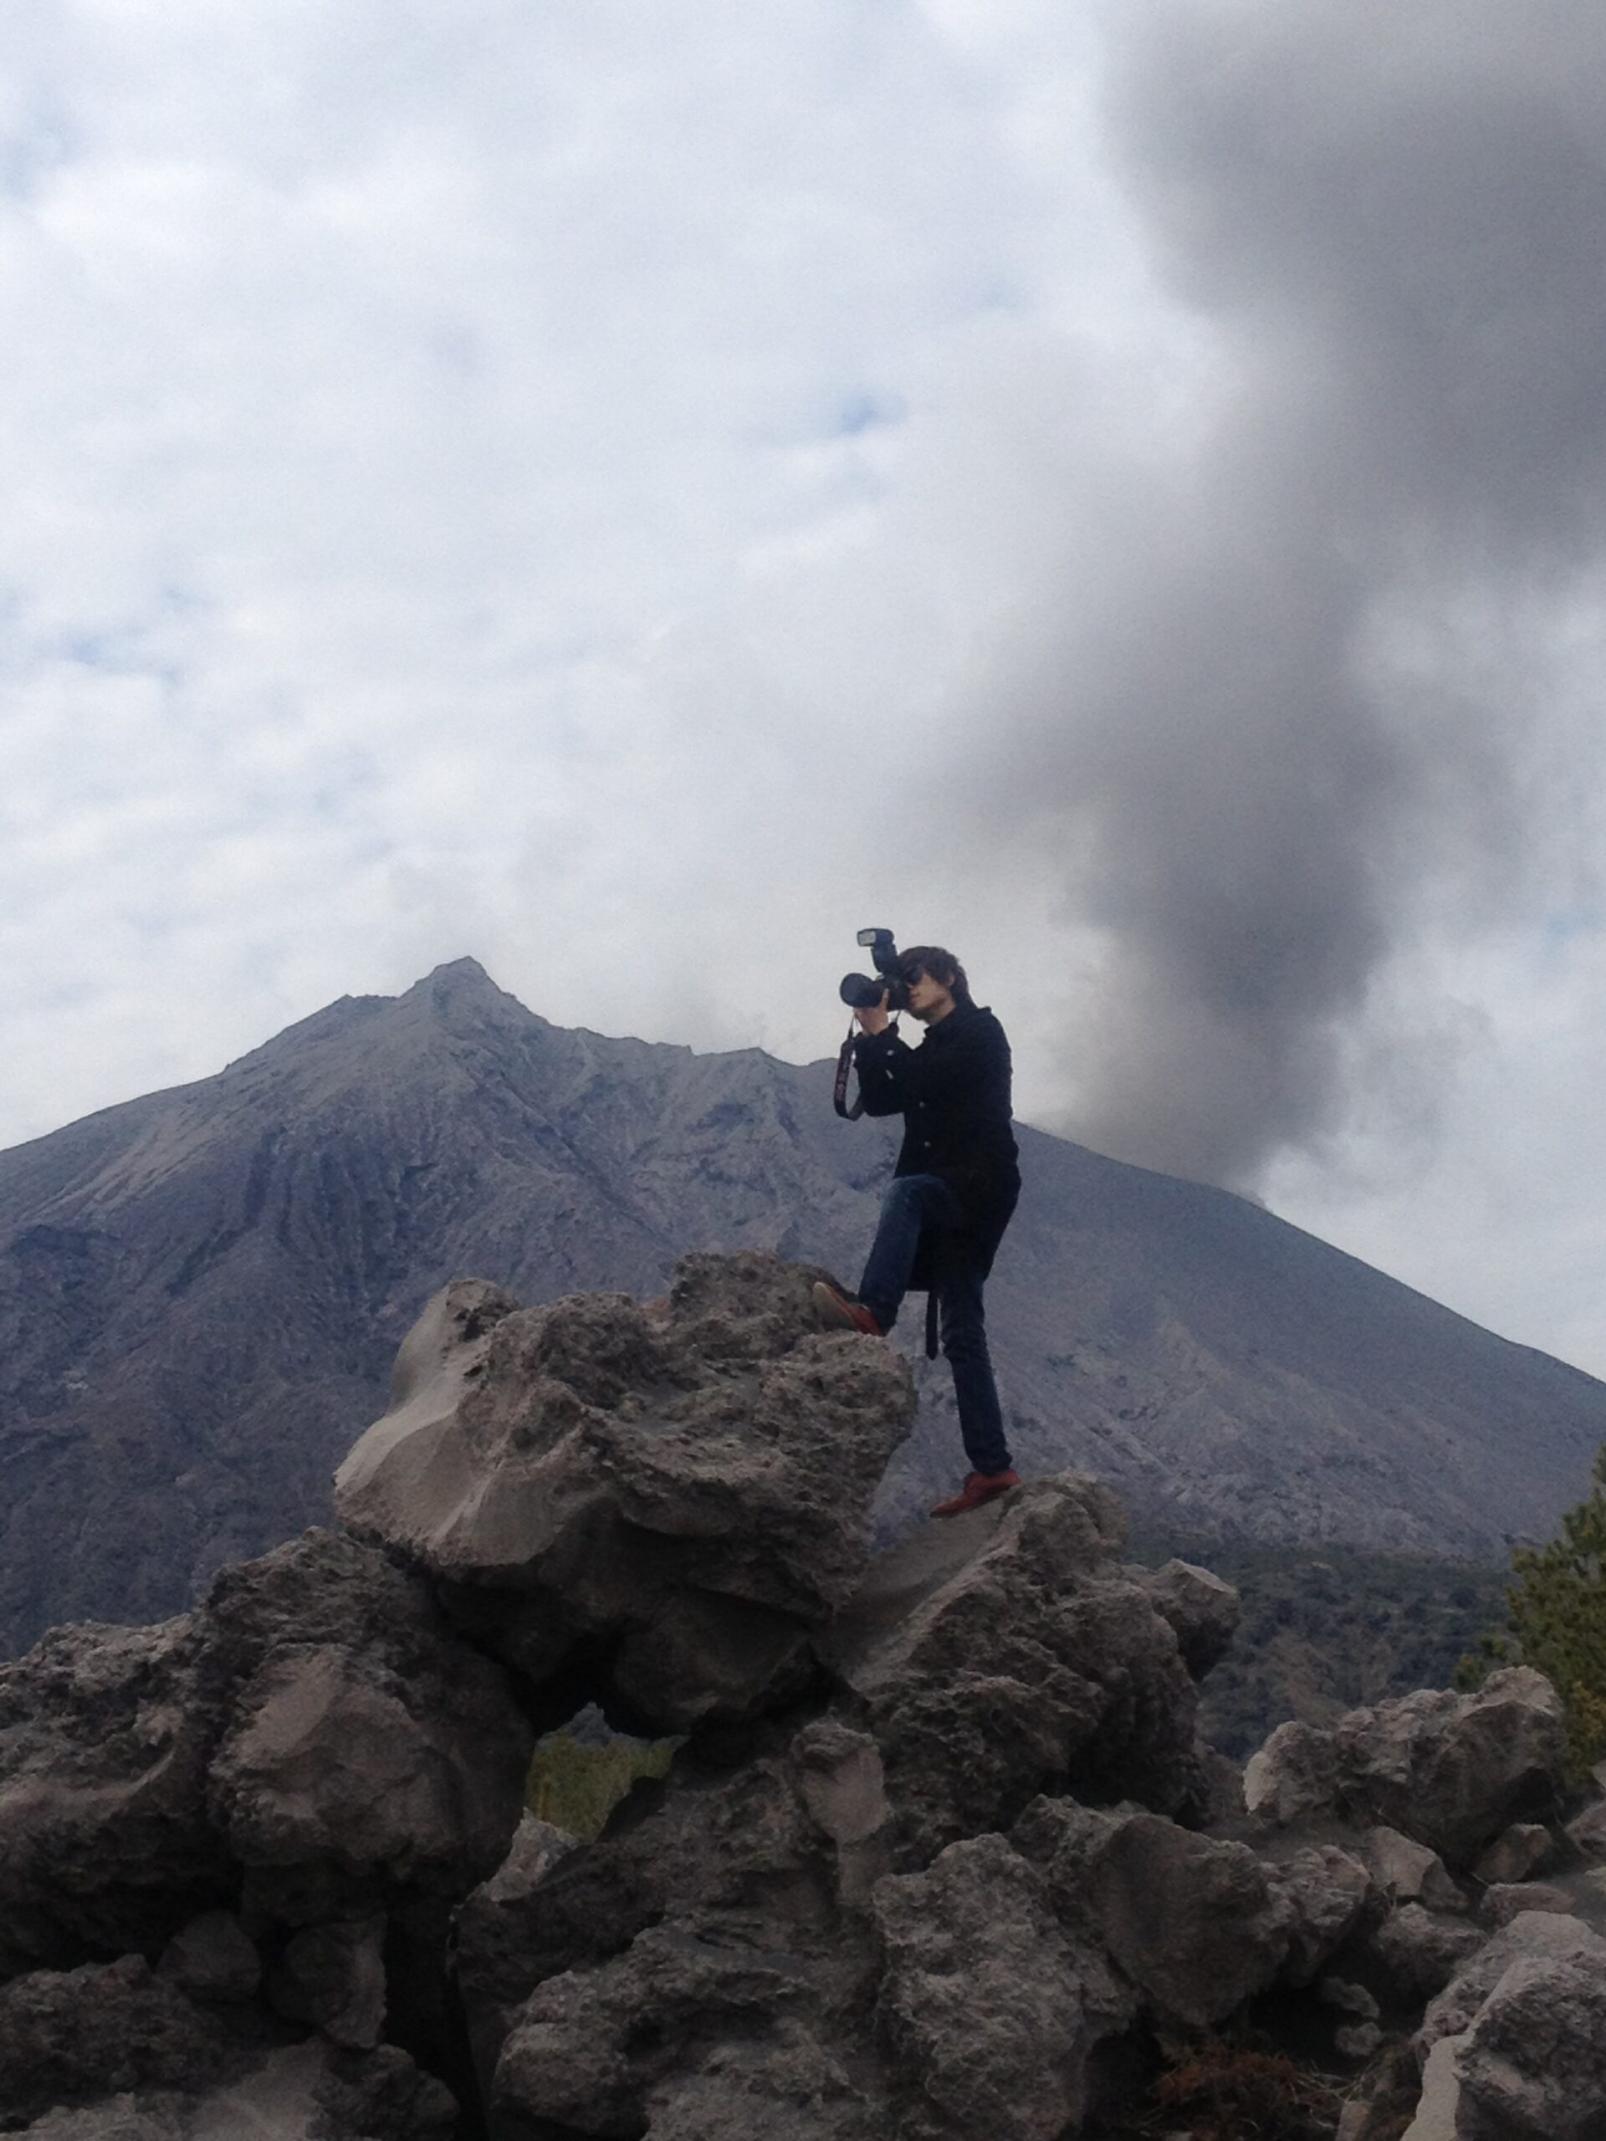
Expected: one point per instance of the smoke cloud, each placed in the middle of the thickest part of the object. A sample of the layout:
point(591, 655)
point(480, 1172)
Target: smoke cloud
point(1296, 704)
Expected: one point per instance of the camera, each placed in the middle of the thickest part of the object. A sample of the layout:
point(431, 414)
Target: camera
point(860, 990)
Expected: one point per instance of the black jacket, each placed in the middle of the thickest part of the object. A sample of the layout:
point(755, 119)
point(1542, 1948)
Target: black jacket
point(953, 1093)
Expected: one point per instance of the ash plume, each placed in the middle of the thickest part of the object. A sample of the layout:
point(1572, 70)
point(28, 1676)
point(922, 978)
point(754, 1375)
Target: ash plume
point(1298, 689)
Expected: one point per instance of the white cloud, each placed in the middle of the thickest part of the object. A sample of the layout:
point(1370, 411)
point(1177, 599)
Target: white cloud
point(562, 484)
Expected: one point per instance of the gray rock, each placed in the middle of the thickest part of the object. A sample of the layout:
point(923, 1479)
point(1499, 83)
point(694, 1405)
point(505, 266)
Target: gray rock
point(1197, 1924)
point(843, 1786)
point(333, 1976)
point(1293, 1777)
point(1407, 1872)
point(1524, 1850)
point(212, 1958)
point(105, 1736)
point(638, 1482)
point(1507, 1899)
point(1438, 2112)
point(592, 2050)
point(1532, 2066)
point(376, 1758)
point(1358, 2040)
point(1587, 1831)
point(69, 2038)
point(1450, 1771)
point(1005, 1654)
point(1202, 1610)
point(1535, 1936)
point(1347, 1998)
point(1416, 1953)
point(1324, 1892)
point(1453, 1771)
point(992, 2014)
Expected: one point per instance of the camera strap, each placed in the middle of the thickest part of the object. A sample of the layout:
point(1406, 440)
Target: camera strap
point(844, 1071)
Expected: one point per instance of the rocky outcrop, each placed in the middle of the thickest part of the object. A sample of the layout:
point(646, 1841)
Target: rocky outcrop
point(1450, 1771)
point(686, 1493)
point(937, 1855)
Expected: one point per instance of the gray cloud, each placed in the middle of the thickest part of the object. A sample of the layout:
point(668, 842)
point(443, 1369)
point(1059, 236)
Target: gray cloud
point(1272, 717)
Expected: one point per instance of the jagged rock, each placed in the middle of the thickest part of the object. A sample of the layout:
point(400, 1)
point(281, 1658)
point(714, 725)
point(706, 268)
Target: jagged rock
point(1380, 2103)
point(1532, 2066)
point(315, 1716)
point(1518, 1855)
point(1195, 1923)
point(1416, 1952)
point(843, 1786)
point(592, 2050)
point(1508, 1899)
point(1293, 1777)
point(1438, 2112)
point(1454, 1770)
point(1202, 1610)
point(689, 1493)
point(1587, 1831)
point(1005, 1654)
point(1198, 1924)
point(1536, 1935)
point(374, 1758)
point(213, 1958)
point(105, 2029)
point(990, 2010)
point(121, 2118)
point(1347, 1998)
point(334, 1977)
point(1407, 1872)
point(1359, 2040)
point(105, 1735)
point(735, 1855)
point(1451, 1771)
point(1324, 1892)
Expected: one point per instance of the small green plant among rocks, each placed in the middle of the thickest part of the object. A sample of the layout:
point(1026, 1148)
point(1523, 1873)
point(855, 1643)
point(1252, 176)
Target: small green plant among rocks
point(575, 1784)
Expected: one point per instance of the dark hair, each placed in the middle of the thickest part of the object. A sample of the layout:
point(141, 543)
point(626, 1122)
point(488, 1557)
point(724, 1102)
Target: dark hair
point(940, 965)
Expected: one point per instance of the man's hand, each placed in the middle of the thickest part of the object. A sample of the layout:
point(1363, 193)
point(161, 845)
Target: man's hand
point(873, 1017)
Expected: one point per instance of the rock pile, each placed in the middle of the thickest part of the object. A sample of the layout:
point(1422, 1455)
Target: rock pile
point(939, 1856)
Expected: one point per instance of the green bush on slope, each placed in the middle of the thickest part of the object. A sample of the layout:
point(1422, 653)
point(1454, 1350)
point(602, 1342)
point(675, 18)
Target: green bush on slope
point(576, 1786)
point(1557, 1623)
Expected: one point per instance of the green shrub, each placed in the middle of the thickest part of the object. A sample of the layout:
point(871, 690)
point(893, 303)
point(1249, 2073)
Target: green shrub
point(576, 1786)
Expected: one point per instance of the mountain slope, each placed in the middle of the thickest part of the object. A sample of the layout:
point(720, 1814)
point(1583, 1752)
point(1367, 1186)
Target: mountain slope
point(201, 1293)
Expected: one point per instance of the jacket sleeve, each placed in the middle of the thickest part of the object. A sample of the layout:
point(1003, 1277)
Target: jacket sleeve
point(883, 1062)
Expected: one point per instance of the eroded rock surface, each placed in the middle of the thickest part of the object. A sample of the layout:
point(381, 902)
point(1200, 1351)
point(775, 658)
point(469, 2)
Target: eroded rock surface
point(935, 1858)
point(688, 1492)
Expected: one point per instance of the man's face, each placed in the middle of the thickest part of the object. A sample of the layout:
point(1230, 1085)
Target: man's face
point(929, 1000)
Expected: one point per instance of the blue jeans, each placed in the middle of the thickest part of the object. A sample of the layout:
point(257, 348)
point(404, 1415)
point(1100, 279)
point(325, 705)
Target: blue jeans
point(917, 1205)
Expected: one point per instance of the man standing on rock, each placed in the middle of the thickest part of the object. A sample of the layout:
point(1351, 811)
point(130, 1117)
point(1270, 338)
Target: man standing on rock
point(951, 1196)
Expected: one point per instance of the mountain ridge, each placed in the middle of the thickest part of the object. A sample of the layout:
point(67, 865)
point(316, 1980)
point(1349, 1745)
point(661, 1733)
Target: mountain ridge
point(201, 1291)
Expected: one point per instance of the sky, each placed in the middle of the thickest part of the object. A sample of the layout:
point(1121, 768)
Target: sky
point(1117, 487)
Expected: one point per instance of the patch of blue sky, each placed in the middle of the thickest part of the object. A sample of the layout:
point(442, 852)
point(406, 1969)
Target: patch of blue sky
point(1562, 927)
point(31, 154)
point(866, 410)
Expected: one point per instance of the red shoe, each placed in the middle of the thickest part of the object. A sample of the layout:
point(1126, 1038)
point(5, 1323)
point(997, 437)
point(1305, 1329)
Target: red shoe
point(979, 1488)
point(838, 1308)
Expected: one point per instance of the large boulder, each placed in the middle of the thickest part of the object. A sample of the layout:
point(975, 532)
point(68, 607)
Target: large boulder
point(1008, 1653)
point(1451, 1771)
point(366, 1755)
point(1515, 2047)
point(1197, 1924)
point(678, 1497)
point(105, 1739)
point(991, 2009)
